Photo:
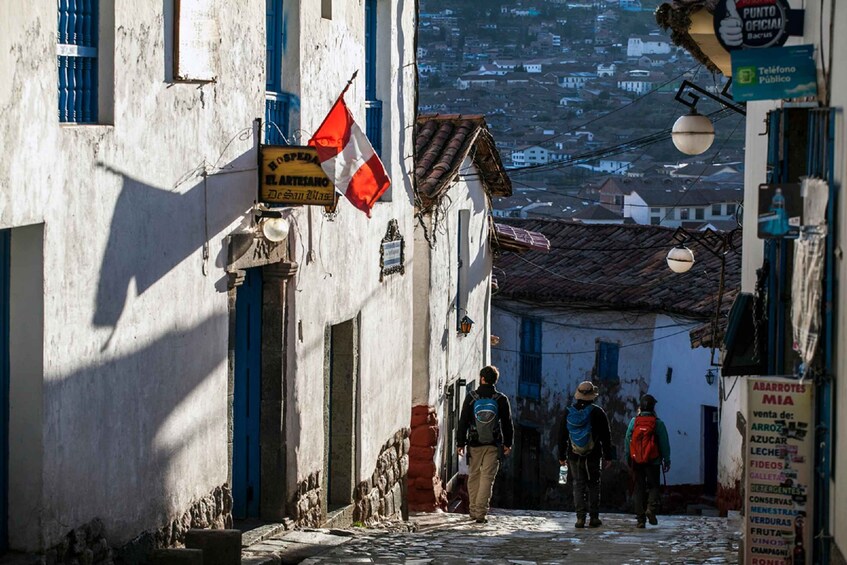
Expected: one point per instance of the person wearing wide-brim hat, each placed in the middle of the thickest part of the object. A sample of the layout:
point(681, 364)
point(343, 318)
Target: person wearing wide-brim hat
point(585, 441)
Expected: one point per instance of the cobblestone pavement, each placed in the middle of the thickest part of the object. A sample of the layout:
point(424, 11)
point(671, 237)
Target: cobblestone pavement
point(526, 537)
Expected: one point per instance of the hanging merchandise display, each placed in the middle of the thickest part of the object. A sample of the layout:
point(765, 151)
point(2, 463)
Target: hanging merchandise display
point(806, 285)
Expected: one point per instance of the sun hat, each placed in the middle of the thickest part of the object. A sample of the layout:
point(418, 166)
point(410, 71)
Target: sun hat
point(586, 391)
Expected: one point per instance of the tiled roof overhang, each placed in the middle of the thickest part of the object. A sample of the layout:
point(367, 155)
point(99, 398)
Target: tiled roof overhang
point(441, 146)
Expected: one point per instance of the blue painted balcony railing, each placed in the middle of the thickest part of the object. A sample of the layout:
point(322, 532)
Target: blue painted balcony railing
point(373, 124)
point(277, 109)
point(77, 60)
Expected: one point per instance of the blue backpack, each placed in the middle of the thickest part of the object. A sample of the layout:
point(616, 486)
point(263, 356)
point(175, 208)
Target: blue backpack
point(486, 419)
point(579, 428)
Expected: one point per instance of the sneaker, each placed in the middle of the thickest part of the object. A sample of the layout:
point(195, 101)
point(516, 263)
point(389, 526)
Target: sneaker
point(482, 520)
point(595, 522)
point(651, 517)
point(580, 522)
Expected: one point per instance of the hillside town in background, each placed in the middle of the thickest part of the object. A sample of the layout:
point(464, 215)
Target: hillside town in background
point(255, 256)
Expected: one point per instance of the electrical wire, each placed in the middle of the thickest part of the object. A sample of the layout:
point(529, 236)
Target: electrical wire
point(655, 339)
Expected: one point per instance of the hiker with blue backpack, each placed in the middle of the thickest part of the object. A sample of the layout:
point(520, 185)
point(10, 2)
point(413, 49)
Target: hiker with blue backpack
point(485, 426)
point(647, 449)
point(585, 441)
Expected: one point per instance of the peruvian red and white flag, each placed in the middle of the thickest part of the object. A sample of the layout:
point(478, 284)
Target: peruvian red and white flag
point(348, 158)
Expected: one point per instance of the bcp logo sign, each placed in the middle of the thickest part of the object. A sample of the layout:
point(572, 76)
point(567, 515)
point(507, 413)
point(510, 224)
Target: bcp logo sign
point(751, 24)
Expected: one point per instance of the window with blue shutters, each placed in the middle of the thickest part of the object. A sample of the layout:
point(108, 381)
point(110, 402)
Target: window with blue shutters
point(529, 379)
point(606, 361)
point(77, 53)
point(373, 107)
point(277, 103)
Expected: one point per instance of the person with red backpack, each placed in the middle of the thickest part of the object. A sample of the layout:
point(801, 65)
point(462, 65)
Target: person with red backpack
point(647, 449)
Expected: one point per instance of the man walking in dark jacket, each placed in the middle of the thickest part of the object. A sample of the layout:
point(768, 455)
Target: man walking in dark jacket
point(585, 440)
point(485, 425)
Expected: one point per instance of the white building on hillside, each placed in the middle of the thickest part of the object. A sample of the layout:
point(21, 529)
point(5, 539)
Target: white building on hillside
point(651, 45)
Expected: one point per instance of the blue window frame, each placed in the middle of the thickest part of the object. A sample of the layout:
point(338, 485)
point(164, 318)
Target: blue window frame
point(78, 22)
point(373, 107)
point(277, 103)
point(273, 49)
point(606, 361)
point(529, 379)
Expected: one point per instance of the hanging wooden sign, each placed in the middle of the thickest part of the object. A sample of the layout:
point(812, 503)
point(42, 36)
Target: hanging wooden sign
point(293, 175)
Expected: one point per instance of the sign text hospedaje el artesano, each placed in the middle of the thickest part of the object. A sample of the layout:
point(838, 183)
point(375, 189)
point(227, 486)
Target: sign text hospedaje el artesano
point(293, 175)
point(779, 476)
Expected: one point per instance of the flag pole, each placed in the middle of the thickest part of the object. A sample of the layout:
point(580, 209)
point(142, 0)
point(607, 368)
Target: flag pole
point(340, 96)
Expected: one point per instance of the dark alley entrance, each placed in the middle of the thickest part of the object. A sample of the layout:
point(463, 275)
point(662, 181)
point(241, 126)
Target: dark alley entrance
point(340, 413)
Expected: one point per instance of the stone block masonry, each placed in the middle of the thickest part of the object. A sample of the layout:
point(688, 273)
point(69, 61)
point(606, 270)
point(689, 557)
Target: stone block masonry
point(382, 495)
point(88, 544)
point(306, 507)
point(379, 497)
point(426, 492)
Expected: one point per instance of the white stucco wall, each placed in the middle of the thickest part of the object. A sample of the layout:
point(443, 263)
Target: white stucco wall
point(450, 355)
point(135, 317)
point(339, 260)
point(135, 304)
point(680, 403)
point(568, 345)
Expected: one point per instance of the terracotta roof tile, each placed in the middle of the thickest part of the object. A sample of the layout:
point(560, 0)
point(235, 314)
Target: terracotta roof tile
point(442, 144)
point(618, 266)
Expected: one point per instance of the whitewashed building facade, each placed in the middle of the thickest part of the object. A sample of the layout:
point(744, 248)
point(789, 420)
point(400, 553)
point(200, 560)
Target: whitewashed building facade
point(141, 295)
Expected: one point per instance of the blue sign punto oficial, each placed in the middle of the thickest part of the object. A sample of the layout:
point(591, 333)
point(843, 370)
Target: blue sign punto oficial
point(774, 73)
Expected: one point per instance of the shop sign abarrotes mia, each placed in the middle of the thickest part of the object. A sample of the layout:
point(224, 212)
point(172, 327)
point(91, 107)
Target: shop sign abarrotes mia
point(293, 175)
point(779, 475)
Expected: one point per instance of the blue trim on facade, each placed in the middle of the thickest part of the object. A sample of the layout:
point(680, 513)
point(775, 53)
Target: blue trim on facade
point(373, 107)
point(529, 377)
point(5, 244)
point(247, 396)
point(821, 163)
point(78, 22)
point(273, 41)
point(607, 361)
point(277, 110)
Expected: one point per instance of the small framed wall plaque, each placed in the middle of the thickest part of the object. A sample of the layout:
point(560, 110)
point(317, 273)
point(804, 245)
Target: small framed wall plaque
point(391, 255)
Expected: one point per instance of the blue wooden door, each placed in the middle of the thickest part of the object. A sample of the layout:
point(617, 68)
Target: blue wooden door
point(248, 369)
point(5, 239)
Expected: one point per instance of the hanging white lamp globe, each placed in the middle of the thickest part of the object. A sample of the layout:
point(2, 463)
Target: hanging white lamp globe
point(680, 259)
point(693, 133)
point(275, 229)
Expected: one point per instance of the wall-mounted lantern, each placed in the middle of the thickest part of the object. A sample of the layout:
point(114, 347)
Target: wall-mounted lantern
point(710, 377)
point(465, 325)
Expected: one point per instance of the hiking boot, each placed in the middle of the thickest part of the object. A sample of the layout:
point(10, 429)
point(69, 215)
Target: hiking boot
point(580, 522)
point(651, 517)
point(640, 523)
point(595, 522)
point(482, 520)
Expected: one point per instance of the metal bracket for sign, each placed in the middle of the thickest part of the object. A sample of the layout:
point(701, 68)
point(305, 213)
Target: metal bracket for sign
point(687, 97)
point(392, 239)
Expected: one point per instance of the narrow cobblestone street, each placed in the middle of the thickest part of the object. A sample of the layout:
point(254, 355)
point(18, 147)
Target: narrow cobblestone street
point(525, 537)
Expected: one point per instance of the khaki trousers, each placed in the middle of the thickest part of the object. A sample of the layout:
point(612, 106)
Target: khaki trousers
point(483, 467)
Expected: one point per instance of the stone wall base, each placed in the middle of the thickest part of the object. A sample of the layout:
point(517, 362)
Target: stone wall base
point(381, 496)
point(88, 544)
point(306, 508)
